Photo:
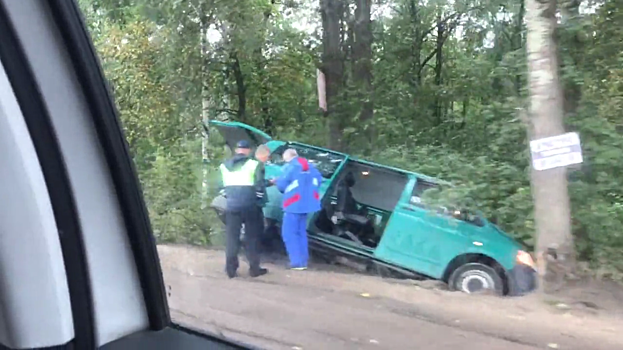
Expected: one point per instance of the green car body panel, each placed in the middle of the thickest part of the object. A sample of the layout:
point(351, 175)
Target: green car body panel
point(414, 238)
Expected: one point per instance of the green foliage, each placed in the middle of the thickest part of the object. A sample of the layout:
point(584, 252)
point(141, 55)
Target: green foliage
point(455, 118)
point(174, 201)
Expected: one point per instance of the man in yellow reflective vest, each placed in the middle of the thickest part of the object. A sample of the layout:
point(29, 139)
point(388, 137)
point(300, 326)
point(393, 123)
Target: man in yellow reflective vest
point(244, 187)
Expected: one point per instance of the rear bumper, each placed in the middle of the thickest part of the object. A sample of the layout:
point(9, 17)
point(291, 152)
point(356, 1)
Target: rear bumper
point(521, 280)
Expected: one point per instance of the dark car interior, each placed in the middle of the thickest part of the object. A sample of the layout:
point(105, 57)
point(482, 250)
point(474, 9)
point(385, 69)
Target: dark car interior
point(362, 201)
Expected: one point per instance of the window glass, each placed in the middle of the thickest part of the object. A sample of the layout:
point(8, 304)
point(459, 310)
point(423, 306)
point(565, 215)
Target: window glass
point(459, 214)
point(418, 191)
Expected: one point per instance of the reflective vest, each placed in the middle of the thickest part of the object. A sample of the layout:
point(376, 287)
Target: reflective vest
point(245, 176)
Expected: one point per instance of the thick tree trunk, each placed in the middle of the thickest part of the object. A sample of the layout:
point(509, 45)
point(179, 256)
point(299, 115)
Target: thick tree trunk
point(241, 89)
point(362, 57)
point(267, 119)
point(437, 108)
point(416, 47)
point(205, 108)
point(570, 15)
point(333, 68)
point(518, 41)
point(555, 250)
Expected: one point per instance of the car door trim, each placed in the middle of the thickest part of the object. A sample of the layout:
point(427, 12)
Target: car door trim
point(83, 56)
point(56, 177)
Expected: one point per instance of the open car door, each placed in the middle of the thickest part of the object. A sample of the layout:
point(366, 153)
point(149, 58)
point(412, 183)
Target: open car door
point(78, 258)
point(233, 132)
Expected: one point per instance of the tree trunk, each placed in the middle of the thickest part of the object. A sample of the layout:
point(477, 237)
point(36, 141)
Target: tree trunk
point(554, 247)
point(267, 119)
point(241, 89)
point(416, 48)
point(362, 54)
point(570, 15)
point(333, 68)
point(437, 111)
point(205, 108)
point(518, 41)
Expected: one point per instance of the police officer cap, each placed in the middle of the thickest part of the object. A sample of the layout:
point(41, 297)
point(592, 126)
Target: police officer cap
point(243, 144)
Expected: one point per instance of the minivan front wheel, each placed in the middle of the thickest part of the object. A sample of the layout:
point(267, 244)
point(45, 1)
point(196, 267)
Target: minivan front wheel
point(475, 278)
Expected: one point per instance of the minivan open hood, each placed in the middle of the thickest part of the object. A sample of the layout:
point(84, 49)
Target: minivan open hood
point(233, 132)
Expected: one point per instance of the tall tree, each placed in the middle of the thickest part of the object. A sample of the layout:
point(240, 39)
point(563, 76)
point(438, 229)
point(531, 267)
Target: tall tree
point(362, 57)
point(551, 199)
point(333, 68)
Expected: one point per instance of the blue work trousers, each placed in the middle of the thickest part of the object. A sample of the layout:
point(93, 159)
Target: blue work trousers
point(294, 234)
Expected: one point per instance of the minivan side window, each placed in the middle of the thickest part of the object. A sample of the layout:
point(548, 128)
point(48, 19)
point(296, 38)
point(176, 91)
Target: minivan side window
point(418, 190)
point(463, 215)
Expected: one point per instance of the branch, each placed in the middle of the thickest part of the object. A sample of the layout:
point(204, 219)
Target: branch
point(428, 58)
point(397, 9)
point(508, 36)
point(447, 19)
point(443, 40)
point(227, 110)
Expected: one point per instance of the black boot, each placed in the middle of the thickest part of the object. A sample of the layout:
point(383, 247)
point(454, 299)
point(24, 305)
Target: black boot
point(231, 271)
point(257, 273)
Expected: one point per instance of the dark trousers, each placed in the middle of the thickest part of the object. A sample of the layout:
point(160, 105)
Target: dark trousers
point(264, 239)
point(252, 219)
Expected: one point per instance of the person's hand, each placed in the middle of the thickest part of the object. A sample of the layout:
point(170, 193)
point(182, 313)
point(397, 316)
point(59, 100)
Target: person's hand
point(272, 181)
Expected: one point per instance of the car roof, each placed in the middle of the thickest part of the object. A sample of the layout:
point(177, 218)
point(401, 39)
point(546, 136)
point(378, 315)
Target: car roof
point(260, 133)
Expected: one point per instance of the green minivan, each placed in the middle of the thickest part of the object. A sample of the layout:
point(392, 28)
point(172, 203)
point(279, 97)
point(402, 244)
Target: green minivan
point(378, 218)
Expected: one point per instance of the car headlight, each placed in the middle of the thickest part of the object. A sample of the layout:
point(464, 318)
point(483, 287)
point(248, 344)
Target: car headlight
point(525, 258)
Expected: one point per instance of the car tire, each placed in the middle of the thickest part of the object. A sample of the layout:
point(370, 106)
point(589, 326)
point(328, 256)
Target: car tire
point(476, 278)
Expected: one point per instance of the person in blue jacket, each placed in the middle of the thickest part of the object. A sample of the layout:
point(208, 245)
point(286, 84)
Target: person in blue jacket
point(299, 183)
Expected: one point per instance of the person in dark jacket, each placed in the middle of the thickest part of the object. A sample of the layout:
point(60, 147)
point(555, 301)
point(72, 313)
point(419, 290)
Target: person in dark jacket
point(345, 201)
point(262, 154)
point(244, 187)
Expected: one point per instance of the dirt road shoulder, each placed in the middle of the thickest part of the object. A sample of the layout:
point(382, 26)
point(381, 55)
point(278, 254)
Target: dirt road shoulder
point(526, 321)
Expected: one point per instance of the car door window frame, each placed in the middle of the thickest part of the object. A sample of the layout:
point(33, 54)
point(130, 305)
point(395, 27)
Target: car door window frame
point(54, 171)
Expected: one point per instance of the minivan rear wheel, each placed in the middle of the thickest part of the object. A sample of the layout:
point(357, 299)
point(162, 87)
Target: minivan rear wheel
point(476, 278)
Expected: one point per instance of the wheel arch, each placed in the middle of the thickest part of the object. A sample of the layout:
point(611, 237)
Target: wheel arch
point(467, 258)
